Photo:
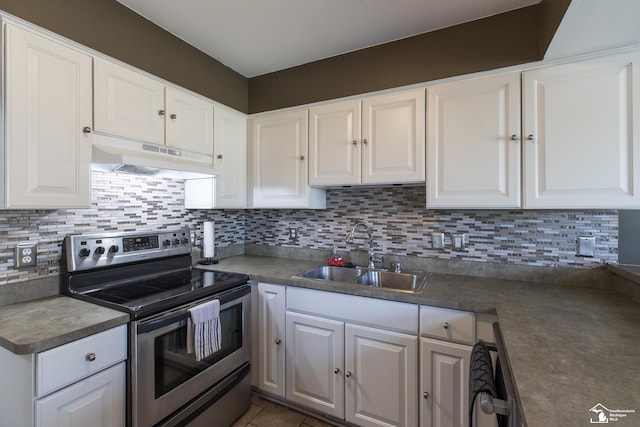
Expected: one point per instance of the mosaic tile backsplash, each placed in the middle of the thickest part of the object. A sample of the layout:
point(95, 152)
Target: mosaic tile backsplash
point(401, 224)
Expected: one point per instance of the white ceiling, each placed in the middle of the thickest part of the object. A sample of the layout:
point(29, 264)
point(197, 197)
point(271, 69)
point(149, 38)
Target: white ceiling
point(255, 37)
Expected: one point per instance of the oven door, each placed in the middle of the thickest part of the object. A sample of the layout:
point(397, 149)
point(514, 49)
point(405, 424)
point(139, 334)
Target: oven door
point(165, 376)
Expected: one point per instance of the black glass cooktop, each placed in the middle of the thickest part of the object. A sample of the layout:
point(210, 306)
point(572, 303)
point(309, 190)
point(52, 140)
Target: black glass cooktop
point(147, 291)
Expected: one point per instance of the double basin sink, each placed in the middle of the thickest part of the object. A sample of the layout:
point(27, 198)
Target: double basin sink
point(406, 281)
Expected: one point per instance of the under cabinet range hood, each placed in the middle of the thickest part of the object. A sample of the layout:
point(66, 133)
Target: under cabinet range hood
point(113, 154)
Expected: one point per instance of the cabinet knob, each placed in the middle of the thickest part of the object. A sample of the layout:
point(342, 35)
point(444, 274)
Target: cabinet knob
point(348, 374)
point(86, 129)
point(445, 325)
point(354, 142)
point(301, 157)
point(336, 371)
point(425, 394)
point(173, 116)
point(364, 141)
point(530, 137)
point(515, 138)
point(161, 112)
point(219, 156)
point(91, 357)
point(278, 341)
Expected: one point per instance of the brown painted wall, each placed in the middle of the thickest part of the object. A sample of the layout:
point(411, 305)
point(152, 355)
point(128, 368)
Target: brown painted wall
point(498, 41)
point(109, 27)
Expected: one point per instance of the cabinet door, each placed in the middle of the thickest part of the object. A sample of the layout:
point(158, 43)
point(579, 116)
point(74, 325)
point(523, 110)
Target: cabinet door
point(445, 384)
point(580, 149)
point(381, 377)
point(315, 363)
point(271, 338)
point(96, 401)
point(334, 144)
point(230, 159)
point(393, 138)
point(279, 162)
point(189, 122)
point(127, 103)
point(48, 103)
point(473, 143)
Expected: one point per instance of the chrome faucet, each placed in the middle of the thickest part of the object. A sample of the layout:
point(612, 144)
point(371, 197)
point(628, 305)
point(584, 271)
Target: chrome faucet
point(371, 252)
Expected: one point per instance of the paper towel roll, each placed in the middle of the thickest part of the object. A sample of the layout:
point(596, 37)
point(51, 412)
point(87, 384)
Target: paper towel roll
point(208, 240)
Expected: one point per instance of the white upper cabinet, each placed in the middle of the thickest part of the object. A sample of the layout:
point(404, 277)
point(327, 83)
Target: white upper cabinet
point(376, 140)
point(580, 147)
point(473, 143)
point(229, 188)
point(131, 105)
point(279, 162)
point(48, 123)
point(127, 103)
point(335, 144)
point(230, 158)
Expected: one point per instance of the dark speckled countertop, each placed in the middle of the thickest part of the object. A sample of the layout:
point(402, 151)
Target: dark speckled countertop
point(41, 324)
point(568, 347)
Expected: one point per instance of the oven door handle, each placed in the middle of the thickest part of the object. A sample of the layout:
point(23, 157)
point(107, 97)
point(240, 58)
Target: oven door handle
point(183, 314)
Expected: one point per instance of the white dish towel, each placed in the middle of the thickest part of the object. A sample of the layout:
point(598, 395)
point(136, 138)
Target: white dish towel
point(204, 332)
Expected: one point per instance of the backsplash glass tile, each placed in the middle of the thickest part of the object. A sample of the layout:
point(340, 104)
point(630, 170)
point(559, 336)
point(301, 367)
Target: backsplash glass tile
point(401, 225)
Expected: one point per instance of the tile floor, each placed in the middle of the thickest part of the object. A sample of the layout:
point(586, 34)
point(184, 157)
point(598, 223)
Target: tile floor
point(264, 413)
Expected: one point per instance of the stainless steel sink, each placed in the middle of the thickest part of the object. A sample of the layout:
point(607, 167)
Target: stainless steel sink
point(407, 281)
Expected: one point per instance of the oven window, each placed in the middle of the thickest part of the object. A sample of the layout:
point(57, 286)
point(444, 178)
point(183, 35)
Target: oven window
point(174, 365)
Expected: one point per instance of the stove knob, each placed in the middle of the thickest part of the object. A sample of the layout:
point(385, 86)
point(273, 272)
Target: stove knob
point(185, 240)
point(99, 250)
point(113, 249)
point(166, 243)
point(176, 241)
point(85, 252)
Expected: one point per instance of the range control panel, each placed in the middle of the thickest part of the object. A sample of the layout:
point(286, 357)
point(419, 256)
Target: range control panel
point(86, 252)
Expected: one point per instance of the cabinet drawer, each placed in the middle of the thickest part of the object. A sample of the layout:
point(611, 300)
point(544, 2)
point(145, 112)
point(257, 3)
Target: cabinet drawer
point(69, 363)
point(447, 324)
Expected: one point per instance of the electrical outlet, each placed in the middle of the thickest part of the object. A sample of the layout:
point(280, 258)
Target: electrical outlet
point(293, 233)
point(26, 255)
point(586, 246)
point(437, 240)
point(458, 241)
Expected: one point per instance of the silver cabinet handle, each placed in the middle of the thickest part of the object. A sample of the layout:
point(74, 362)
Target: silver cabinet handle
point(86, 129)
point(161, 112)
point(173, 116)
point(515, 138)
point(336, 371)
point(301, 157)
point(425, 394)
point(354, 142)
point(530, 137)
point(364, 141)
point(445, 325)
point(90, 357)
point(348, 374)
point(278, 341)
point(219, 156)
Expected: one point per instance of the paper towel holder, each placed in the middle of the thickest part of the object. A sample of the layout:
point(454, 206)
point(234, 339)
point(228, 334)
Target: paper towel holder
point(208, 244)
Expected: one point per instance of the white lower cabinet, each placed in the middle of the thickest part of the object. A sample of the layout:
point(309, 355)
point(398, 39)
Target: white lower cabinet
point(315, 363)
point(356, 372)
point(271, 338)
point(445, 383)
point(96, 401)
point(78, 384)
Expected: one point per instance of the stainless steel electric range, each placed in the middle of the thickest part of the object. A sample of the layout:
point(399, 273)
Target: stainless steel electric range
point(149, 275)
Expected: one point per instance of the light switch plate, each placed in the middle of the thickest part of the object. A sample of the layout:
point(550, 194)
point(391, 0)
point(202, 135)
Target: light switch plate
point(458, 241)
point(26, 255)
point(586, 246)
